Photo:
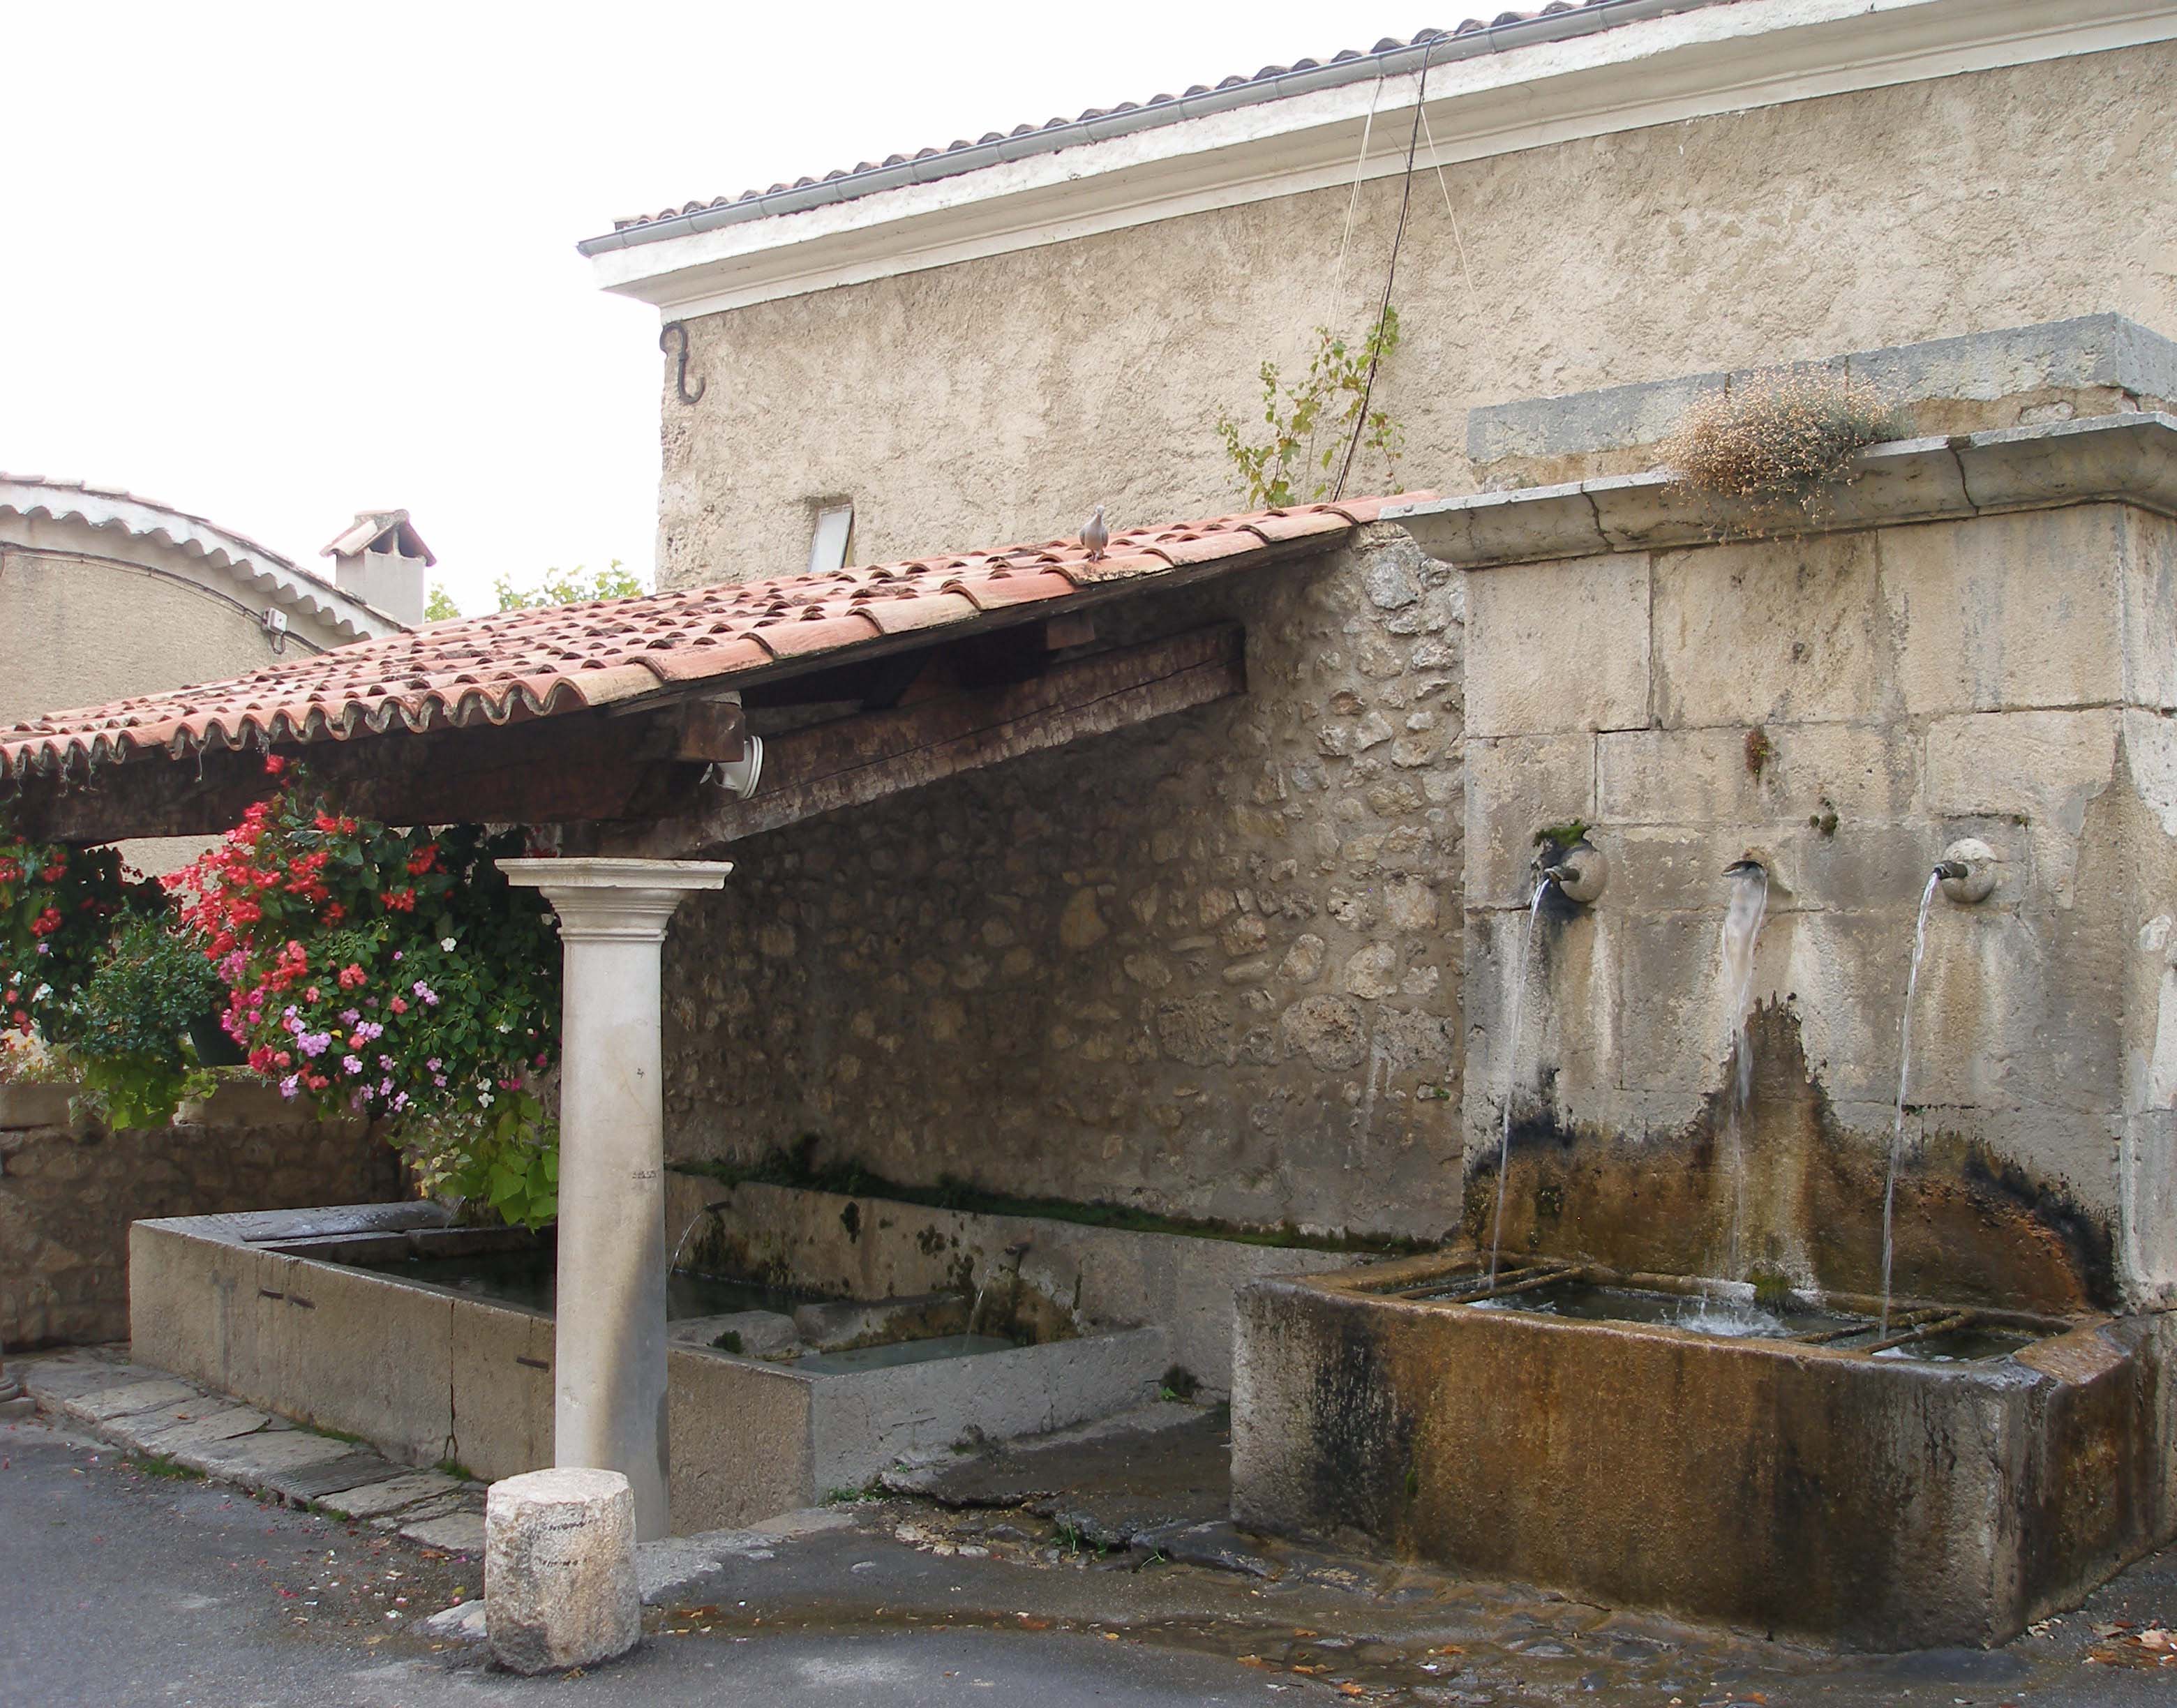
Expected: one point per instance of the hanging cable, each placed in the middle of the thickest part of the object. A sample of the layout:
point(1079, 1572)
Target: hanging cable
point(1390, 276)
point(1465, 272)
point(1352, 202)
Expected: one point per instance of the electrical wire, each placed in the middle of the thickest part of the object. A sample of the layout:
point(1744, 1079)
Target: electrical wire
point(1390, 276)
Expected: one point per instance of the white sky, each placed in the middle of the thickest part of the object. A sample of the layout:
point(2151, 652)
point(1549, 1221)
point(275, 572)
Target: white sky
point(273, 264)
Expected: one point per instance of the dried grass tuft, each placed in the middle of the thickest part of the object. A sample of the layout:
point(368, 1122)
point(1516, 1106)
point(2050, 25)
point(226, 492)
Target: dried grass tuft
point(1783, 436)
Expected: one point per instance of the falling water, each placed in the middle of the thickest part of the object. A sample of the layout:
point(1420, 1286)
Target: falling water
point(674, 1262)
point(1904, 1074)
point(1741, 925)
point(1512, 1069)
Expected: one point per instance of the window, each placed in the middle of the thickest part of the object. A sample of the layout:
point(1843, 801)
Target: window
point(835, 531)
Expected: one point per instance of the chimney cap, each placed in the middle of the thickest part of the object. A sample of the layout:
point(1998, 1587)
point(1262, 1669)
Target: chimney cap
point(388, 531)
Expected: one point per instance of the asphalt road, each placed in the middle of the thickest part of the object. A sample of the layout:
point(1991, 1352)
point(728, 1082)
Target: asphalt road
point(123, 1588)
point(122, 1591)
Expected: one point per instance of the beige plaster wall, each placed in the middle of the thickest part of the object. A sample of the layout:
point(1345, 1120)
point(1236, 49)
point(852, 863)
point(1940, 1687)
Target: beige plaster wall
point(88, 616)
point(1839, 707)
point(1000, 399)
point(1208, 967)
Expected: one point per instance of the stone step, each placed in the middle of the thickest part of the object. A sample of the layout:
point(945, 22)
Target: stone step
point(147, 1412)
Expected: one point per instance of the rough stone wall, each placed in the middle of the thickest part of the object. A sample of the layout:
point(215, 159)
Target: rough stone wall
point(1000, 399)
point(1839, 707)
point(1210, 967)
point(69, 1194)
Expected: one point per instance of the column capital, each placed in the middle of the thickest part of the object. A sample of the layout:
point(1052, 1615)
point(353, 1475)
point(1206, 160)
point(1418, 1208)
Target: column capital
point(601, 899)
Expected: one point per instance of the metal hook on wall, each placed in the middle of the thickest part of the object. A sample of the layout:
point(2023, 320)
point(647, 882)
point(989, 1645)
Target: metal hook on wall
point(681, 376)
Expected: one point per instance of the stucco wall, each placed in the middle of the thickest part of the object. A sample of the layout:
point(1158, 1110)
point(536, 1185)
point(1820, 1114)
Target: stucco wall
point(88, 616)
point(1210, 967)
point(1000, 399)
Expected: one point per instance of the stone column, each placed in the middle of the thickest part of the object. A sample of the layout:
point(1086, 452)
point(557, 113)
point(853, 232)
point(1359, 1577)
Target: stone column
point(609, 1354)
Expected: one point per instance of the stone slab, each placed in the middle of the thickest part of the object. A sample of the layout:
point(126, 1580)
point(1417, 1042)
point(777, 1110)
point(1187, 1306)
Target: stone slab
point(307, 1482)
point(104, 1406)
point(202, 1429)
point(1560, 646)
point(374, 1499)
point(438, 1506)
point(461, 1532)
point(249, 1459)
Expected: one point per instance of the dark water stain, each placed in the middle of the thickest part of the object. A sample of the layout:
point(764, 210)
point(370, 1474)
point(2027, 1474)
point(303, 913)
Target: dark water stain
point(1971, 1227)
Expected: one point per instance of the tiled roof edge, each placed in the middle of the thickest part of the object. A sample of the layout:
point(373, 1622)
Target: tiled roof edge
point(1507, 30)
point(259, 568)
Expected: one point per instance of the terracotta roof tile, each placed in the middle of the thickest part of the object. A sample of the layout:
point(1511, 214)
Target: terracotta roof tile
point(515, 665)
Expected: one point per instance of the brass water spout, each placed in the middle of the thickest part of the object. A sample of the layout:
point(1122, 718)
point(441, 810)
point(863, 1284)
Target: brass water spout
point(1956, 871)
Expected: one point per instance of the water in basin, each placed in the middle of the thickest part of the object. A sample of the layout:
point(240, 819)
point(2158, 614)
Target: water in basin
point(1703, 1313)
point(529, 1278)
point(899, 1352)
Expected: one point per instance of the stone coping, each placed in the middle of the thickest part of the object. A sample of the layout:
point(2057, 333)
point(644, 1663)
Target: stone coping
point(2109, 350)
point(2130, 459)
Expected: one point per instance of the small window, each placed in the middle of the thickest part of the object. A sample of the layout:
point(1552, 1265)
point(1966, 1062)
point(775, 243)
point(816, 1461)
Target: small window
point(835, 532)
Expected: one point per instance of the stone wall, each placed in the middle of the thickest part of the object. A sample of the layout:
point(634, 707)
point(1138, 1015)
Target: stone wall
point(1839, 707)
point(999, 399)
point(1208, 967)
point(68, 1194)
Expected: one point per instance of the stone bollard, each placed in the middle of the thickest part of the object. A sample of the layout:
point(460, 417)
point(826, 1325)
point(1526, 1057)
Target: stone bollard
point(558, 1570)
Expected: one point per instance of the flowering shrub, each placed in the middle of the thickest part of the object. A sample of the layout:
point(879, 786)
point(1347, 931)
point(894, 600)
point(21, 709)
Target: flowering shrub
point(57, 907)
point(390, 974)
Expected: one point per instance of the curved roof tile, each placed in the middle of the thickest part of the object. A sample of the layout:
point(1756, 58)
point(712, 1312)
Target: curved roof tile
point(543, 662)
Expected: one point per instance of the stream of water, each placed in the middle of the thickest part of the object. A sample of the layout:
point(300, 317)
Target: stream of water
point(1904, 1077)
point(1512, 1069)
point(1742, 927)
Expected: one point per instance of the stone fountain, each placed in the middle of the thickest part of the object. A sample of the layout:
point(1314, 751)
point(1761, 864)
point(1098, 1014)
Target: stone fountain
point(1970, 658)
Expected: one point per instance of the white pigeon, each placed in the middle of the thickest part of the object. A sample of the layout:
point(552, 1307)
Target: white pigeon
point(1096, 534)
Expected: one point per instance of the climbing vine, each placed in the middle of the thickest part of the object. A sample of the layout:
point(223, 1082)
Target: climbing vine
point(1311, 420)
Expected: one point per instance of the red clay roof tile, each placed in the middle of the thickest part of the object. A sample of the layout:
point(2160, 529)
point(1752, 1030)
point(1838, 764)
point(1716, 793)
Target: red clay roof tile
point(540, 662)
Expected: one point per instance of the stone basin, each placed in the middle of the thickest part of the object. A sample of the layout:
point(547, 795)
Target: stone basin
point(354, 1319)
point(1887, 1499)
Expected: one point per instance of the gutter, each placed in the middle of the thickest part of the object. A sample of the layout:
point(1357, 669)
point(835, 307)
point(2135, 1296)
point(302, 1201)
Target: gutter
point(1440, 49)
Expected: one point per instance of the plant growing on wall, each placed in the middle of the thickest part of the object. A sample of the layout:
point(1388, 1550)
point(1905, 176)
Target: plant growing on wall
point(394, 974)
point(1787, 436)
point(1311, 420)
point(130, 1052)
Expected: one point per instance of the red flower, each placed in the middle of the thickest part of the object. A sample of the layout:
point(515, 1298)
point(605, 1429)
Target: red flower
point(274, 764)
point(398, 1005)
point(352, 977)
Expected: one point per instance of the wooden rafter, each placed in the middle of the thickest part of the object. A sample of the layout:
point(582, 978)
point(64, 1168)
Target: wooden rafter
point(854, 761)
point(635, 784)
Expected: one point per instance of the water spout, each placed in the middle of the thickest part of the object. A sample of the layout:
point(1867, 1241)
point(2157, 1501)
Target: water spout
point(1742, 926)
point(1956, 871)
point(1904, 1076)
point(672, 1262)
point(1548, 877)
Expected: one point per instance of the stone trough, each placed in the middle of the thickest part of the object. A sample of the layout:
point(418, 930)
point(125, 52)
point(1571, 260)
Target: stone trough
point(307, 1313)
point(1894, 1500)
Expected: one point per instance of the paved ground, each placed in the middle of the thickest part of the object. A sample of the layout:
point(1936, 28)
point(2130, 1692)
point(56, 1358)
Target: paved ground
point(123, 1583)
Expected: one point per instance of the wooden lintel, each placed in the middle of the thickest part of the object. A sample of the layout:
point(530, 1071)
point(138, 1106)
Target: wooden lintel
point(854, 761)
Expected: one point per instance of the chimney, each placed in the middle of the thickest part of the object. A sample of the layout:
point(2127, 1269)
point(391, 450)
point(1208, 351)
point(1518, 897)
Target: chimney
point(380, 559)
